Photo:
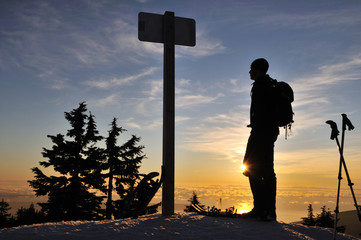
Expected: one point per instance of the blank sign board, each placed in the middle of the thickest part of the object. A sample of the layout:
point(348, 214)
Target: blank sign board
point(150, 29)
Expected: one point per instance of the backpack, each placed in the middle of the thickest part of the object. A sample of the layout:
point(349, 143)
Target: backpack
point(284, 98)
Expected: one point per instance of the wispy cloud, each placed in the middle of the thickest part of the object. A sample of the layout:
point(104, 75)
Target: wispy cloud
point(224, 135)
point(143, 124)
point(57, 82)
point(329, 74)
point(116, 82)
point(106, 101)
point(238, 85)
point(312, 19)
point(149, 104)
point(186, 101)
point(302, 162)
point(55, 47)
point(311, 99)
point(90, 49)
point(205, 46)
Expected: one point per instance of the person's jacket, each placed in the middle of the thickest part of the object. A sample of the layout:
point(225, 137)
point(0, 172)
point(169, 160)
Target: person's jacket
point(262, 112)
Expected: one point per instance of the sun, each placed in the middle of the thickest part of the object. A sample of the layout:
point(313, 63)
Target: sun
point(243, 207)
point(243, 168)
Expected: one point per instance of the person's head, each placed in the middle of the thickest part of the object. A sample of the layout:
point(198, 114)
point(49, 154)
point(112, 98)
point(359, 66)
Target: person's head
point(259, 68)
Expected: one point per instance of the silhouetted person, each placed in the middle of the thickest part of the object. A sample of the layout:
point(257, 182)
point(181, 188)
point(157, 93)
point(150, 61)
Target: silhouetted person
point(258, 158)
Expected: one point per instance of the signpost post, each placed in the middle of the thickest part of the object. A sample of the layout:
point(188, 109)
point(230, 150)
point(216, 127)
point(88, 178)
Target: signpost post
point(169, 30)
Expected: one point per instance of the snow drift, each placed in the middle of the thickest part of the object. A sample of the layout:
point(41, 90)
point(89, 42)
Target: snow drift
point(179, 226)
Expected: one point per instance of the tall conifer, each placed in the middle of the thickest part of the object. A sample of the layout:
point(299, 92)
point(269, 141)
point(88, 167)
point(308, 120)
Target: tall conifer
point(122, 163)
point(77, 163)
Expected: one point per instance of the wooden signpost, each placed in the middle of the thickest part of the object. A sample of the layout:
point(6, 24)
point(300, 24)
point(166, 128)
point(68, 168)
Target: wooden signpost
point(170, 31)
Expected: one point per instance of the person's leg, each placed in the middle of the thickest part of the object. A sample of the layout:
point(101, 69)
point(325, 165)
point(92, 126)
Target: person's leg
point(250, 160)
point(270, 187)
point(269, 177)
point(257, 187)
point(259, 159)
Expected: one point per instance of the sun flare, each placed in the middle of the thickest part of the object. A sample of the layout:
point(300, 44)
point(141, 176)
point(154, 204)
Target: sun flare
point(243, 208)
point(243, 168)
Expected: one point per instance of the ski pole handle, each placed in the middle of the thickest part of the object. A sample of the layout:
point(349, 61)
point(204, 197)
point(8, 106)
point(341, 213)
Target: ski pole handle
point(347, 121)
point(334, 132)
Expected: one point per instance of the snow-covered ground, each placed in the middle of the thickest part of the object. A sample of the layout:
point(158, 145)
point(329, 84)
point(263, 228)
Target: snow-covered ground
point(179, 226)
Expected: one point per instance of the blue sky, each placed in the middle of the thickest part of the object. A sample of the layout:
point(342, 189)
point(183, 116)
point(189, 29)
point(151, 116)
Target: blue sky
point(56, 54)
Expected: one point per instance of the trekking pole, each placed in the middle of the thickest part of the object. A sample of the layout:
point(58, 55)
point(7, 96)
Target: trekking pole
point(347, 122)
point(334, 134)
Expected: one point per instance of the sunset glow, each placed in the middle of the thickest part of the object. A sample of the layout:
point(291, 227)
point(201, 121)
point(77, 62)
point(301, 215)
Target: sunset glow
point(56, 54)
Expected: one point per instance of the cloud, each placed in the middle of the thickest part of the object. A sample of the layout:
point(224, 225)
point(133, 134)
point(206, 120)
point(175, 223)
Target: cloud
point(180, 119)
point(155, 90)
point(238, 85)
point(149, 104)
point(143, 124)
point(311, 19)
point(90, 49)
point(123, 36)
point(330, 74)
point(223, 135)
point(205, 46)
point(56, 46)
point(116, 82)
point(109, 100)
point(186, 101)
point(54, 80)
point(312, 100)
point(302, 162)
point(183, 82)
point(186, 95)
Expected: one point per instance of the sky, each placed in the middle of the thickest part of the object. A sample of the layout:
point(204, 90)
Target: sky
point(56, 54)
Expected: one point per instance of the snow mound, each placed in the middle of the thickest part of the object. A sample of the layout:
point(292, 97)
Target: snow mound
point(179, 226)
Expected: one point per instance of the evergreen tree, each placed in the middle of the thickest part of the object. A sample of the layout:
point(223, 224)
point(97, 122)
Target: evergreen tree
point(113, 163)
point(4, 213)
point(310, 219)
point(325, 218)
point(123, 163)
point(193, 200)
point(131, 155)
point(28, 216)
point(78, 163)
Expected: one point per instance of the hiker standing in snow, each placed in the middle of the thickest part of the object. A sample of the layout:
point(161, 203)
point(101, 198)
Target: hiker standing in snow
point(259, 154)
